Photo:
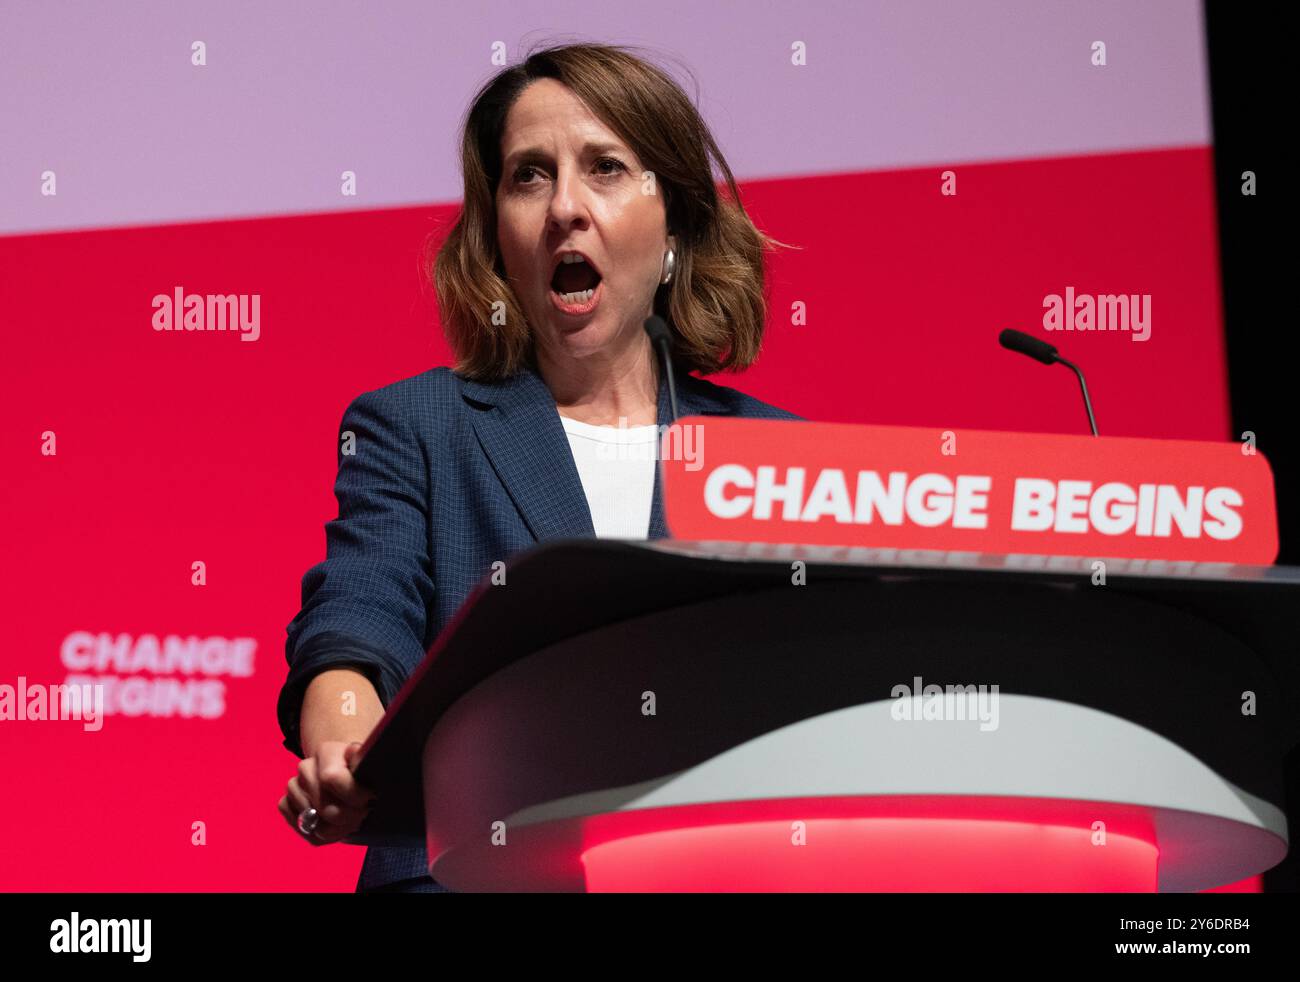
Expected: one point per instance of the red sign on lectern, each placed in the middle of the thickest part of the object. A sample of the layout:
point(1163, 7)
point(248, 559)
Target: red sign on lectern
point(730, 479)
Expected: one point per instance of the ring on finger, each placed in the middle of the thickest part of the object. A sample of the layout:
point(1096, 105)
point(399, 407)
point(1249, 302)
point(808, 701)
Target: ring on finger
point(308, 819)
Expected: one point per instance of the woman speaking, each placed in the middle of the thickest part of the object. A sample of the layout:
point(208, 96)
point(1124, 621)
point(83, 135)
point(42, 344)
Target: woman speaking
point(590, 204)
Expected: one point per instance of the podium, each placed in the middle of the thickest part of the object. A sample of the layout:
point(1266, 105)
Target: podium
point(677, 715)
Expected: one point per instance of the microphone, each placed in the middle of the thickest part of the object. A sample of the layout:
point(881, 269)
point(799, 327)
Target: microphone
point(1047, 354)
point(661, 340)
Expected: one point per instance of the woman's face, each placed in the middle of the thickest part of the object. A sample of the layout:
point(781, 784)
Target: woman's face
point(570, 185)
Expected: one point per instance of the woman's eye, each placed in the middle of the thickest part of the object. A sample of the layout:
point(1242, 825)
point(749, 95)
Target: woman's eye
point(605, 167)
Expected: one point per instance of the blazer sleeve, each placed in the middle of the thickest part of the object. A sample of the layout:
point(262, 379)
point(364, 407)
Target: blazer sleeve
point(367, 605)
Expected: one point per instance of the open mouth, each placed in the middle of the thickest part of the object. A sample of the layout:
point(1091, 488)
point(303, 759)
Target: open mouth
point(574, 284)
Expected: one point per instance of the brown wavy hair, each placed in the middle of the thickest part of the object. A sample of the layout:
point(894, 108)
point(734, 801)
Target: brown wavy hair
point(715, 305)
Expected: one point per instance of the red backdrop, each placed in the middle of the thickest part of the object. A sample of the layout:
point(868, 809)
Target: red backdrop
point(180, 447)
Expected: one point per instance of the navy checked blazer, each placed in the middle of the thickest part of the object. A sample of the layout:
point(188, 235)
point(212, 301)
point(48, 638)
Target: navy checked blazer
point(447, 477)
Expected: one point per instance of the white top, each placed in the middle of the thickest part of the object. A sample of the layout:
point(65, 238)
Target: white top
point(617, 468)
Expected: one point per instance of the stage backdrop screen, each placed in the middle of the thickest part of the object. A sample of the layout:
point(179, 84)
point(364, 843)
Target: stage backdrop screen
point(940, 171)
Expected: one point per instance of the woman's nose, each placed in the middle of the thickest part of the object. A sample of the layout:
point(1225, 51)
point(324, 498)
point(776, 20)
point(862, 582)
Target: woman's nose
point(568, 206)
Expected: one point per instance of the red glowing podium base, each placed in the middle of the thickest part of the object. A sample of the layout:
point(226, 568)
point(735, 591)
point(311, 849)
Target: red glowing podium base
point(886, 845)
point(679, 717)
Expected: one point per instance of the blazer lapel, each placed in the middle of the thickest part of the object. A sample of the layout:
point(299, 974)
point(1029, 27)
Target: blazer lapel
point(521, 434)
point(524, 439)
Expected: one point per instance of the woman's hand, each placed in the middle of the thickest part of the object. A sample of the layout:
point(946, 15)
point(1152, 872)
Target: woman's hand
point(324, 781)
